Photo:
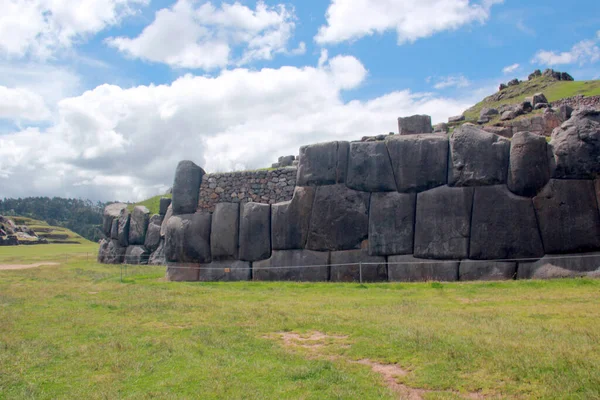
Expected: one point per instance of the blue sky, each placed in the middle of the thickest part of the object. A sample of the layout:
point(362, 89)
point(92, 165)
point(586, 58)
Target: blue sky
point(100, 98)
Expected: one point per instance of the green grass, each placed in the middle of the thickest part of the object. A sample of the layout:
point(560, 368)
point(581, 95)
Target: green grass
point(552, 89)
point(76, 331)
point(54, 234)
point(48, 252)
point(152, 204)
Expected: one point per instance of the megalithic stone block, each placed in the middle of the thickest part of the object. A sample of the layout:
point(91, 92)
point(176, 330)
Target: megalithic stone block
point(111, 213)
point(290, 220)
point(182, 272)
point(224, 234)
point(123, 229)
point(407, 268)
point(560, 266)
point(163, 226)
point(339, 220)
point(164, 204)
point(414, 124)
point(504, 226)
point(255, 232)
point(111, 252)
point(138, 225)
point(153, 233)
point(391, 223)
point(187, 239)
point(186, 187)
point(114, 230)
point(529, 169)
point(477, 157)
point(370, 168)
point(226, 271)
point(567, 213)
point(470, 270)
point(136, 255)
point(158, 256)
point(323, 164)
point(420, 162)
point(293, 265)
point(443, 223)
point(349, 265)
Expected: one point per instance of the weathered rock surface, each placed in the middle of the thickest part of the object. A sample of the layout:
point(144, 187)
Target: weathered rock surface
point(346, 266)
point(420, 162)
point(503, 226)
point(111, 252)
point(568, 216)
point(182, 272)
point(136, 255)
point(164, 204)
point(187, 239)
point(158, 256)
point(123, 229)
point(391, 223)
point(528, 170)
point(323, 164)
point(443, 223)
point(442, 127)
point(477, 157)
point(370, 168)
point(504, 131)
point(138, 225)
point(407, 268)
point(414, 124)
point(255, 232)
point(153, 233)
point(186, 187)
point(560, 266)
point(114, 230)
point(470, 270)
point(111, 212)
point(270, 270)
point(290, 220)
point(542, 124)
point(576, 146)
point(226, 271)
point(488, 112)
point(163, 227)
point(339, 220)
point(457, 118)
point(224, 233)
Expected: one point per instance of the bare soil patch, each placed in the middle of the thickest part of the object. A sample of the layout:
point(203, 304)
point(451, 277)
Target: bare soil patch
point(5, 267)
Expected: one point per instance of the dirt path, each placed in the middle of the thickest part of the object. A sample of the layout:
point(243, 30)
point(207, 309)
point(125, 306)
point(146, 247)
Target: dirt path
point(4, 267)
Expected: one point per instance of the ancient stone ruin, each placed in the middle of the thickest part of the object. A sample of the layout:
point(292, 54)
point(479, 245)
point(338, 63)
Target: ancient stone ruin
point(12, 234)
point(410, 207)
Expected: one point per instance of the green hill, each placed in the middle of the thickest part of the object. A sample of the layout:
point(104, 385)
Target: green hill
point(152, 204)
point(53, 234)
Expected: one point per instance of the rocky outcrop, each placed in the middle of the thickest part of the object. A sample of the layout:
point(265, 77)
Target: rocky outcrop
point(111, 212)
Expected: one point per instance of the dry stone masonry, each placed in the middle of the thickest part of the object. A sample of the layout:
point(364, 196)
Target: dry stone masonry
point(412, 207)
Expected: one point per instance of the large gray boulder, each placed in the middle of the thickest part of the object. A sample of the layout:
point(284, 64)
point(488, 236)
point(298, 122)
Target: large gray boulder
point(164, 204)
point(187, 239)
point(529, 169)
point(290, 220)
point(123, 228)
point(477, 157)
point(158, 256)
point(153, 233)
point(420, 162)
point(414, 124)
point(339, 220)
point(168, 215)
point(255, 231)
point(323, 164)
point(470, 270)
point(370, 168)
point(186, 187)
point(111, 252)
point(503, 226)
point(182, 272)
point(567, 212)
point(576, 146)
point(391, 223)
point(346, 266)
point(224, 234)
point(136, 255)
point(488, 112)
point(111, 212)
point(443, 223)
point(114, 230)
point(407, 268)
point(311, 266)
point(138, 225)
point(226, 271)
point(560, 266)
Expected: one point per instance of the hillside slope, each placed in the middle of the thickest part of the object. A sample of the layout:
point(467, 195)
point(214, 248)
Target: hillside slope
point(53, 234)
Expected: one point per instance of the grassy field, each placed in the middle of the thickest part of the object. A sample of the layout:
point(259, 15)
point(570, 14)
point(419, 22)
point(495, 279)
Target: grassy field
point(76, 331)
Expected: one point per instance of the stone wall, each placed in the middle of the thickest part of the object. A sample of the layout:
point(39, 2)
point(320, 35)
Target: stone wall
point(262, 186)
point(474, 206)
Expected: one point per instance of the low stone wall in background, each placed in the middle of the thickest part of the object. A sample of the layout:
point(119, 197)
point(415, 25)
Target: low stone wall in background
point(262, 186)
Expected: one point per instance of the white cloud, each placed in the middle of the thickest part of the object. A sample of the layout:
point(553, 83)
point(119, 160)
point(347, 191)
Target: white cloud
point(411, 19)
point(112, 143)
point(510, 69)
point(206, 37)
point(458, 81)
point(41, 27)
point(583, 52)
point(19, 103)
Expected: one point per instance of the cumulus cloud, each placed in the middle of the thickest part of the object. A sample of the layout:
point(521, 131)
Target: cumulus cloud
point(583, 52)
point(510, 69)
point(41, 27)
point(411, 19)
point(19, 103)
point(457, 81)
point(188, 35)
point(112, 143)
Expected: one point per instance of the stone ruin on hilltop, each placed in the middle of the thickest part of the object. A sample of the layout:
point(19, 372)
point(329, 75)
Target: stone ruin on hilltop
point(409, 207)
